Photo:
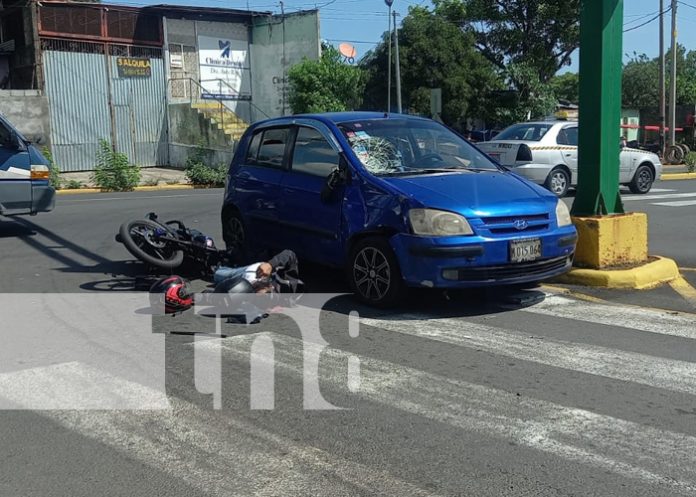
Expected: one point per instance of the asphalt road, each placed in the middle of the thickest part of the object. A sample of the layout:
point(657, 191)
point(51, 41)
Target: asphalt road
point(485, 394)
point(671, 209)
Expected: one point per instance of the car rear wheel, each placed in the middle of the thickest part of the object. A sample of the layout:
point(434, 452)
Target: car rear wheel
point(642, 180)
point(373, 273)
point(234, 233)
point(558, 181)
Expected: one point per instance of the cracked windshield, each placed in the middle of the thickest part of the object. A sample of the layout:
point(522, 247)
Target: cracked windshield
point(411, 147)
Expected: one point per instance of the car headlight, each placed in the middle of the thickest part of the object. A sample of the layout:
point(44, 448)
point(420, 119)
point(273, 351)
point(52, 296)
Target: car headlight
point(562, 214)
point(432, 222)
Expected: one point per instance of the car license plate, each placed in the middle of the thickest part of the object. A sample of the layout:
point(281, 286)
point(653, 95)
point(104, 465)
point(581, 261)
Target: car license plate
point(495, 156)
point(525, 250)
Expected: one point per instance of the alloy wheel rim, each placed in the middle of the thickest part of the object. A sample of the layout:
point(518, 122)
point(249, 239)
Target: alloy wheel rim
point(371, 273)
point(644, 180)
point(558, 183)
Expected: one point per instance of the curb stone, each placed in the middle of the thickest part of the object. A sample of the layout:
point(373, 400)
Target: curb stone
point(646, 276)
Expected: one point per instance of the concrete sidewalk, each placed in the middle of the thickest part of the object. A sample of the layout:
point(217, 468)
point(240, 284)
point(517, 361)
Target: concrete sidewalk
point(151, 176)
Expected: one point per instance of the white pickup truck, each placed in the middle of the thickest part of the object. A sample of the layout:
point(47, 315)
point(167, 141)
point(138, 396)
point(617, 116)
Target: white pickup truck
point(546, 152)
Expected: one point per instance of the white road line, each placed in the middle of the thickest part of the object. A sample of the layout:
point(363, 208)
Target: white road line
point(228, 457)
point(55, 387)
point(626, 448)
point(656, 372)
point(657, 197)
point(661, 190)
point(132, 198)
point(682, 203)
point(654, 321)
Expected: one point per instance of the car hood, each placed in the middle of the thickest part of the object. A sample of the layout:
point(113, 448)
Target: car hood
point(475, 194)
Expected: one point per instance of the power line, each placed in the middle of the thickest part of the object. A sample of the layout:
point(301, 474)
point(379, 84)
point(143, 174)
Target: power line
point(648, 22)
point(687, 5)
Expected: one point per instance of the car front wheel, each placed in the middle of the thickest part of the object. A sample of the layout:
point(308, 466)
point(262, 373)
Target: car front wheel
point(643, 179)
point(558, 181)
point(373, 273)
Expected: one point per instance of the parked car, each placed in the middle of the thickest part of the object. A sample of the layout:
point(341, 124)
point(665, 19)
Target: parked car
point(546, 152)
point(24, 175)
point(397, 201)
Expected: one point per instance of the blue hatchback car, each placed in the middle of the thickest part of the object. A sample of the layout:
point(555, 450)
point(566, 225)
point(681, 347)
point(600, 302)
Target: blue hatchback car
point(397, 201)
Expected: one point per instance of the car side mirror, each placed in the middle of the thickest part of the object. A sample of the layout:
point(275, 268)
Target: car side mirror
point(338, 176)
point(334, 179)
point(36, 138)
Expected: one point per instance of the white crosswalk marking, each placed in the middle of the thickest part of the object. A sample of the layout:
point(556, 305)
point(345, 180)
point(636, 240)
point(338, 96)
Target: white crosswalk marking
point(652, 320)
point(653, 371)
point(679, 203)
point(226, 457)
point(629, 198)
point(579, 435)
point(195, 445)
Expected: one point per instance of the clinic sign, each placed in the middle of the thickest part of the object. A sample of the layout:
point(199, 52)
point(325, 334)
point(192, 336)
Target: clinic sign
point(222, 65)
point(133, 67)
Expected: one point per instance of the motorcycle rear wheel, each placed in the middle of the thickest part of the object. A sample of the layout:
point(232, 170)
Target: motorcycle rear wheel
point(139, 239)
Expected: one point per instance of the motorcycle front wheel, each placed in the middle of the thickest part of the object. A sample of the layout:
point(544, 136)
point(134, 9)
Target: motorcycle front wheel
point(141, 239)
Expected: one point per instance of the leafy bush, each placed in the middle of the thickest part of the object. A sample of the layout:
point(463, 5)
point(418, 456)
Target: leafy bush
point(73, 184)
point(199, 173)
point(690, 161)
point(113, 172)
point(54, 171)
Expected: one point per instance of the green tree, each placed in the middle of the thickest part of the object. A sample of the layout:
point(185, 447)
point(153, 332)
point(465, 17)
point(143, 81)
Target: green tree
point(640, 82)
point(566, 87)
point(542, 34)
point(641, 76)
point(527, 40)
point(434, 53)
point(325, 85)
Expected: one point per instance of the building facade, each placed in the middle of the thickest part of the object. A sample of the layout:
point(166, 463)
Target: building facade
point(155, 82)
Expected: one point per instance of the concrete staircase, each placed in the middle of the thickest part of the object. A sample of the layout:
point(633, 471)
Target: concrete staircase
point(223, 118)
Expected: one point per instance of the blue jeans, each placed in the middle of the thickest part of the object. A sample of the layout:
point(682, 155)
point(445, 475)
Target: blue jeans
point(223, 273)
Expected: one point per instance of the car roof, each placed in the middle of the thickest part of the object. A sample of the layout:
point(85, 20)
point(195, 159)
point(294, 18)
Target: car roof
point(338, 117)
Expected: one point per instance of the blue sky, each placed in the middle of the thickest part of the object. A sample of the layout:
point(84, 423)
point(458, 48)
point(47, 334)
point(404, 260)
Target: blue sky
point(362, 22)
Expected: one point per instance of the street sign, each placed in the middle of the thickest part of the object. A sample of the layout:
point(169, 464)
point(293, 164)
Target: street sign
point(435, 101)
point(389, 2)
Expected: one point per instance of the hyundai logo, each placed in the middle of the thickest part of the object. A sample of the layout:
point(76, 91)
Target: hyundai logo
point(520, 224)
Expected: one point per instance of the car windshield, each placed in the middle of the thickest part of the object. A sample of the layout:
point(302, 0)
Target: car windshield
point(411, 146)
point(524, 131)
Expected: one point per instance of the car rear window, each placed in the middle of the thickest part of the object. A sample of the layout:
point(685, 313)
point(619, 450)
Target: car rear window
point(271, 147)
point(524, 131)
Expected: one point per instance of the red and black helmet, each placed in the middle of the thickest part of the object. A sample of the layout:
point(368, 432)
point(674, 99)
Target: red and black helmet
point(173, 292)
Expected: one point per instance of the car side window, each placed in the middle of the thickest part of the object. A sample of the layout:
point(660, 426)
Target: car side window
point(5, 136)
point(272, 147)
point(568, 136)
point(313, 154)
point(253, 150)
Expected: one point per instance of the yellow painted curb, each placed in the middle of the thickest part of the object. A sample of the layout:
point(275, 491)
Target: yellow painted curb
point(648, 275)
point(137, 189)
point(676, 176)
point(683, 288)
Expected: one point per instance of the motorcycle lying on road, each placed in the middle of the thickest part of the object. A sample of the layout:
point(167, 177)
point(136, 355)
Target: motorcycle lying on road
point(170, 245)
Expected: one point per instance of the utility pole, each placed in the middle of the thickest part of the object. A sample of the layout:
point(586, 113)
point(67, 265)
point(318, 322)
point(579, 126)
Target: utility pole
point(673, 83)
point(389, 4)
point(284, 85)
point(398, 68)
point(662, 78)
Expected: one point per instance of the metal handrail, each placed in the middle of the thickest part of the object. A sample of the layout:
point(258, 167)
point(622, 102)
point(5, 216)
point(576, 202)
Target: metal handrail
point(190, 94)
point(210, 96)
point(234, 90)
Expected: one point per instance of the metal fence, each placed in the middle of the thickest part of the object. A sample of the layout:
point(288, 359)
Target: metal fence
point(89, 101)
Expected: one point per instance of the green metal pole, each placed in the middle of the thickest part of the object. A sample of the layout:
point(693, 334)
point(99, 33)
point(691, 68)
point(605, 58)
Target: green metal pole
point(601, 33)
